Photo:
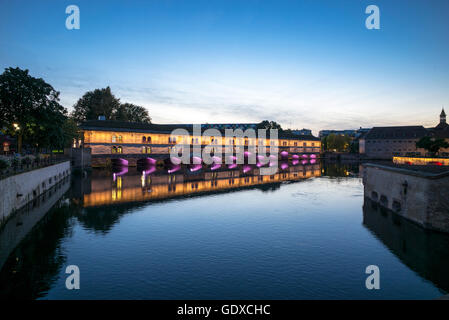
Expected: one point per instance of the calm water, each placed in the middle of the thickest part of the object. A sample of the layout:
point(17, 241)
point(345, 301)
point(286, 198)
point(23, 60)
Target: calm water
point(305, 233)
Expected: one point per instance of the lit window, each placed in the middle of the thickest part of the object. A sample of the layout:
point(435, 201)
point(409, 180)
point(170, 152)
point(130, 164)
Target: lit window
point(114, 139)
point(119, 138)
point(144, 139)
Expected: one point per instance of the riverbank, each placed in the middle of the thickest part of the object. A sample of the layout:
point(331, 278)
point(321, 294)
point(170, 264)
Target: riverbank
point(18, 190)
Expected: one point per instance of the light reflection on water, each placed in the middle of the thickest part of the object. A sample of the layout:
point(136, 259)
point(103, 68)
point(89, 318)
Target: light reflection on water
point(304, 233)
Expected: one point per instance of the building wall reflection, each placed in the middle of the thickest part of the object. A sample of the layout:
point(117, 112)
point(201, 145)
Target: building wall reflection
point(133, 186)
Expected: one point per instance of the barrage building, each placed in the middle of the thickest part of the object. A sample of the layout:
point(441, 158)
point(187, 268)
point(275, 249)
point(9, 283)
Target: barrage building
point(132, 141)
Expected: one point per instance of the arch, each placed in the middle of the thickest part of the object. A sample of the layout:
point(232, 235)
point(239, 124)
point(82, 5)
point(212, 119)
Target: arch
point(384, 200)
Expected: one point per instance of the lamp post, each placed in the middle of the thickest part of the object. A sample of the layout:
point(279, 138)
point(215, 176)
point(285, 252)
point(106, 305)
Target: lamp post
point(19, 138)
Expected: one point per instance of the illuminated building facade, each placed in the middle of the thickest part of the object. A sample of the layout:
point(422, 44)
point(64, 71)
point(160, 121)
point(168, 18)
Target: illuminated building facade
point(132, 141)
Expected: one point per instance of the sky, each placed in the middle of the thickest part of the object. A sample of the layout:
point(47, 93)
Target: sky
point(305, 63)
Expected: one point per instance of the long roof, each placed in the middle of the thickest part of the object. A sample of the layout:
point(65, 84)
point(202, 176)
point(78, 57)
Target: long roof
point(403, 132)
point(122, 126)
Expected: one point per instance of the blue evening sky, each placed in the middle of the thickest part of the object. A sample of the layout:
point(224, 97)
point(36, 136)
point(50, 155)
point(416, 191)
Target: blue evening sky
point(305, 63)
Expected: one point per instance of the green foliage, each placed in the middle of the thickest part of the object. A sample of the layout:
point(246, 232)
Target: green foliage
point(30, 109)
point(95, 103)
point(101, 102)
point(431, 144)
point(269, 125)
point(71, 132)
point(3, 164)
point(132, 113)
point(336, 142)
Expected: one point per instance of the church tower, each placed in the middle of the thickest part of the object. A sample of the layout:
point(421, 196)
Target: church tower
point(443, 117)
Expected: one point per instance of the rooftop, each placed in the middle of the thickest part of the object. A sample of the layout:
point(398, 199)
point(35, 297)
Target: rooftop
point(403, 132)
point(122, 126)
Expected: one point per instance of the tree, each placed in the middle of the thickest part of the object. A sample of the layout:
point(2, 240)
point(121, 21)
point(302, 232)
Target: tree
point(132, 113)
point(71, 132)
point(269, 125)
point(431, 144)
point(337, 142)
point(101, 102)
point(95, 103)
point(30, 109)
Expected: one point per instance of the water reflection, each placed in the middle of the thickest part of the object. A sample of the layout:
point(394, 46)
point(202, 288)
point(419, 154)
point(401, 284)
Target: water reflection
point(146, 184)
point(31, 261)
point(425, 252)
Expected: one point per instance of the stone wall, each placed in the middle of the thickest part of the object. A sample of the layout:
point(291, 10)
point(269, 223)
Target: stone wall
point(16, 191)
point(421, 197)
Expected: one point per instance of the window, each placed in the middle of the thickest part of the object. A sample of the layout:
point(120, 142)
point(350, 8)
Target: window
point(295, 144)
point(149, 139)
point(304, 144)
point(119, 149)
point(171, 140)
point(246, 142)
point(144, 139)
point(313, 144)
point(284, 143)
point(114, 138)
point(119, 138)
point(146, 149)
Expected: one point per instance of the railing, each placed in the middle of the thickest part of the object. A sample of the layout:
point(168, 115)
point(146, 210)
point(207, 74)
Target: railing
point(17, 165)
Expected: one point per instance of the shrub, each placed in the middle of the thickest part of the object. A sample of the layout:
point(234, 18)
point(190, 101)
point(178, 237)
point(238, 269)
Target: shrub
point(3, 164)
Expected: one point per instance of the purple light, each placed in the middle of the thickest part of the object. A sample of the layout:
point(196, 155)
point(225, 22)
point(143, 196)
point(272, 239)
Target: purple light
point(284, 154)
point(216, 160)
point(295, 162)
point(215, 166)
point(175, 160)
point(312, 161)
point(303, 162)
point(304, 156)
point(247, 154)
point(196, 160)
point(120, 171)
point(195, 167)
point(284, 165)
point(232, 166)
point(295, 156)
point(174, 168)
point(313, 156)
point(150, 170)
point(246, 168)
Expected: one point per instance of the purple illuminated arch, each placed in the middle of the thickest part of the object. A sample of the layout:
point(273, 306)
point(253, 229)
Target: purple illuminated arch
point(195, 167)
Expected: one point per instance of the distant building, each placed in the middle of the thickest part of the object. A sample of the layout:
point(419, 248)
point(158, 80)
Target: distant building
point(302, 132)
point(386, 142)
